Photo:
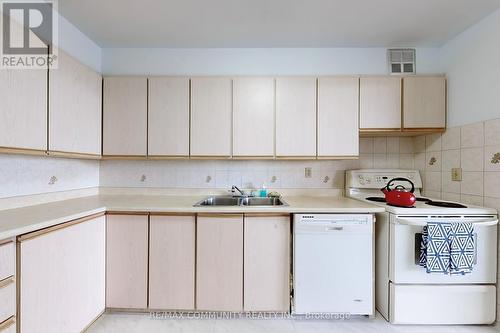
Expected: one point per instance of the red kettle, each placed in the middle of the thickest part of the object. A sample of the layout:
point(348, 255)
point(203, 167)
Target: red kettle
point(399, 195)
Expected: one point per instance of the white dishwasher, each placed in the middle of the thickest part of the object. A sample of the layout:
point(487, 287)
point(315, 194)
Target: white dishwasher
point(333, 264)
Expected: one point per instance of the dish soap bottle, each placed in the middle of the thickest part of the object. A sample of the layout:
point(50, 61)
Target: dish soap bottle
point(263, 191)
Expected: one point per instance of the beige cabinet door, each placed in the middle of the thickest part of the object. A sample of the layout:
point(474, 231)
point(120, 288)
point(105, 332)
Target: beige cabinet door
point(211, 116)
point(125, 116)
point(338, 121)
point(267, 263)
point(127, 261)
point(424, 102)
point(296, 117)
point(62, 277)
point(380, 103)
point(168, 116)
point(253, 100)
point(172, 262)
point(219, 253)
point(74, 107)
point(23, 111)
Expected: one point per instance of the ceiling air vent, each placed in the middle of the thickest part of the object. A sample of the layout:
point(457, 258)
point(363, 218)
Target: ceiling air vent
point(401, 61)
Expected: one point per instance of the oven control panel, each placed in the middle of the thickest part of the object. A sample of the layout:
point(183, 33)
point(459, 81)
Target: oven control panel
point(380, 178)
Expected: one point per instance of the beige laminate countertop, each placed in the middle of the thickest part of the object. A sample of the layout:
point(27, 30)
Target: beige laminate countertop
point(18, 221)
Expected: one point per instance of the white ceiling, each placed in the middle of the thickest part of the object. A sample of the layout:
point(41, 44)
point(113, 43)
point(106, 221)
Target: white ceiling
point(273, 23)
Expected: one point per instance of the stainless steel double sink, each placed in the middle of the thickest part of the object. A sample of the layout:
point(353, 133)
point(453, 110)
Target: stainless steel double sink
point(221, 200)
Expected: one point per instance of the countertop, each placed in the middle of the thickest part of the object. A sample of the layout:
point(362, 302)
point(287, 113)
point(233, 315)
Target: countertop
point(18, 221)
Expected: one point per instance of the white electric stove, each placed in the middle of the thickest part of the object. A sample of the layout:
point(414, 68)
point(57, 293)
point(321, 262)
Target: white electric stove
point(405, 292)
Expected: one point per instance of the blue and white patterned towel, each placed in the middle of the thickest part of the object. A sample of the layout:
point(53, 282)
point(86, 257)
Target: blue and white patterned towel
point(447, 248)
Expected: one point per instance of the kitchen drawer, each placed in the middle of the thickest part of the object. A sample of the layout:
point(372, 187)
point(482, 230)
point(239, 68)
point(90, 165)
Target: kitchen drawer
point(7, 260)
point(7, 299)
point(8, 326)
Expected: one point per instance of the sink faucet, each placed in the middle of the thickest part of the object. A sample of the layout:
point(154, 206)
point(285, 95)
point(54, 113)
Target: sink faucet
point(235, 188)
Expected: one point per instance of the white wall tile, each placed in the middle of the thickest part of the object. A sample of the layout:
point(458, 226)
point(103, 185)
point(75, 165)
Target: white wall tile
point(492, 203)
point(472, 183)
point(450, 196)
point(451, 139)
point(432, 181)
point(420, 161)
point(449, 185)
point(492, 184)
point(492, 132)
point(419, 144)
point(26, 175)
point(406, 145)
point(380, 161)
point(433, 142)
point(365, 145)
point(450, 159)
point(472, 199)
point(393, 161)
point(432, 194)
point(491, 163)
point(380, 145)
point(393, 145)
point(406, 161)
point(472, 159)
point(472, 135)
point(366, 161)
point(433, 161)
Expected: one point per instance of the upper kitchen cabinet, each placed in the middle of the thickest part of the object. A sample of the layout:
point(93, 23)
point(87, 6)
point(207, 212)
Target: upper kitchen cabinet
point(424, 102)
point(168, 117)
point(211, 116)
point(125, 116)
point(380, 103)
point(74, 108)
point(338, 124)
point(296, 117)
point(23, 111)
point(253, 134)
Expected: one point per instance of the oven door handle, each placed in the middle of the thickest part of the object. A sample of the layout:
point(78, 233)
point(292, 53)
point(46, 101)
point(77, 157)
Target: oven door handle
point(411, 222)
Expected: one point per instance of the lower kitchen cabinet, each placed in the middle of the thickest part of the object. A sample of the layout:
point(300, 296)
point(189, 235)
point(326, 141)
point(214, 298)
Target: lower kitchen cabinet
point(127, 261)
point(172, 262)
point(7, 285)
point(61, 277)
point(219, 276)
point(267, 263)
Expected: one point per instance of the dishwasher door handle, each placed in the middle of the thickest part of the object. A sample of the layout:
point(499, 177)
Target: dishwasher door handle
point(334, 228)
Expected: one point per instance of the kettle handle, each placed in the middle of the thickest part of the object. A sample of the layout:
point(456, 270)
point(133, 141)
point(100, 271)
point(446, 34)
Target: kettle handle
point(388, 186)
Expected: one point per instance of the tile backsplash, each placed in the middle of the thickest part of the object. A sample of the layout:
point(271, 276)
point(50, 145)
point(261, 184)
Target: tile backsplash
point(26, 175)
point(475, 148)
point(380, 152)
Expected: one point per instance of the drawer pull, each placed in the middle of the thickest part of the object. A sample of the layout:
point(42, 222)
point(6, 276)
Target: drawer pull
point(8, 323)
point(6, 282)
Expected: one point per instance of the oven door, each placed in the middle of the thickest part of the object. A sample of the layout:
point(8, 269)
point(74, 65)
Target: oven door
point(405, 237)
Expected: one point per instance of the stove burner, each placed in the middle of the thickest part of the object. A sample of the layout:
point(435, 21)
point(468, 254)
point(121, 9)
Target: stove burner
point(445, 204)
point(376, 199)
point(401, 206)
point(382, 199)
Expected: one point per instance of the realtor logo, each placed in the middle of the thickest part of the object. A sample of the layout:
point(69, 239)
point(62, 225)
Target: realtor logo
point(29, 29)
